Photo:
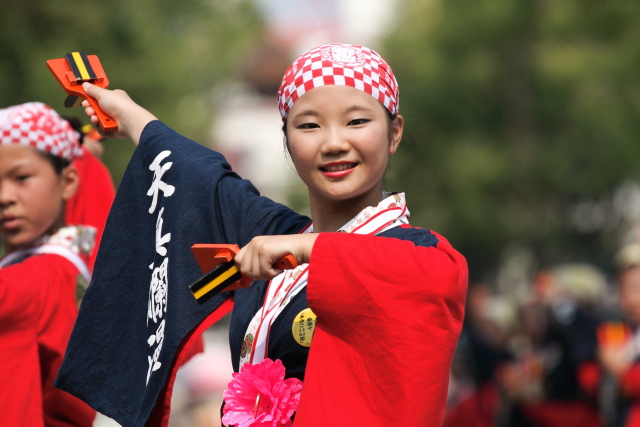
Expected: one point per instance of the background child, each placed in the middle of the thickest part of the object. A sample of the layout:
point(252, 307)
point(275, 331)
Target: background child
point(43, 263)
point(91, 203)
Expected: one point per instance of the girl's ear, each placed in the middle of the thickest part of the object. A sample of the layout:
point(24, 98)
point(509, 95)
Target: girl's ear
point(397, 127)
point(70, 181)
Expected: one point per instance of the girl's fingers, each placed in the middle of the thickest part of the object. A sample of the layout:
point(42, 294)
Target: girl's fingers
point(256, 265)
point(255, 261)
point(258, 257)
point(92, 90)
point(240, 256)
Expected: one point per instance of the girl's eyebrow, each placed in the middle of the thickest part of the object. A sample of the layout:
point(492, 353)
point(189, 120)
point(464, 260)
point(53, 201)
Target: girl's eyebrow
point(21, 164)
point(350, 109)
point(357, 108)
point(307, 113)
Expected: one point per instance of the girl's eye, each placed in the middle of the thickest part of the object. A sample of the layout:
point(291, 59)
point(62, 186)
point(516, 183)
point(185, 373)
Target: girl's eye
point(358, 122)
point(22, 177)
point(308, 126)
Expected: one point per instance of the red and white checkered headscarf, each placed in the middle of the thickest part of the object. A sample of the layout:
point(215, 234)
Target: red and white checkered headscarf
point(36, 125)
point(343, 65)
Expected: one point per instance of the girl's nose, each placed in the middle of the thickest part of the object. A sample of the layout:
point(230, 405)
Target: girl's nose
point(335, 142)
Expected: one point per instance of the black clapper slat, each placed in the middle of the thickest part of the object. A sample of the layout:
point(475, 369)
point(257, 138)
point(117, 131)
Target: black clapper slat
point(212, 283)
point(80, 66)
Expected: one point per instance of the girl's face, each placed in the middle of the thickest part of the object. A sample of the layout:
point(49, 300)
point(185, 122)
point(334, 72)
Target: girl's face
point(340, 141)
point(32, 195)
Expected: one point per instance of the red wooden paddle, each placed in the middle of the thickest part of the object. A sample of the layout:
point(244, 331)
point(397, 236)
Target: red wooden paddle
point(221, 272)
point(73, 70)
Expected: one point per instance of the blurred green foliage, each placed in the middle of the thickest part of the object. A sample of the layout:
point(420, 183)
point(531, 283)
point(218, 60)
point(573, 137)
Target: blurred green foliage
point(516, 112)
point(166, 54)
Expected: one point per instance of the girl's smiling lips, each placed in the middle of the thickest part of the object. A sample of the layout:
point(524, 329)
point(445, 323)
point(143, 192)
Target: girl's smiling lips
point(338, 169)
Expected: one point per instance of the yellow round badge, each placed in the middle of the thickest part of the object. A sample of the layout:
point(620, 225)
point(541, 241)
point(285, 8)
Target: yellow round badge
point(303, 327)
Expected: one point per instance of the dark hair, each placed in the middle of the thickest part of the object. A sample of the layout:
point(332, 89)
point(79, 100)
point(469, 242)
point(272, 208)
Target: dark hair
point(58, 163)
point(76, 124)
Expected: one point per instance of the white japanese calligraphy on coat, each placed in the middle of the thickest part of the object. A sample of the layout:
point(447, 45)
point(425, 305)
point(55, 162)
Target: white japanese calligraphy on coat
point(159, 286)
point(157, 184)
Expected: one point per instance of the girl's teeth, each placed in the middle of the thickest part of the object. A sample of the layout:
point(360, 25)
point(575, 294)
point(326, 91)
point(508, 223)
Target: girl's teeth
point(337, 168)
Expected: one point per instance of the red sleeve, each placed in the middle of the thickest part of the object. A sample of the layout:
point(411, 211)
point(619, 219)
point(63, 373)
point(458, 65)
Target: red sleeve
point(389, 316)
point(18, 304)
point(37, 313)
point(92, 202)
point(20, 391)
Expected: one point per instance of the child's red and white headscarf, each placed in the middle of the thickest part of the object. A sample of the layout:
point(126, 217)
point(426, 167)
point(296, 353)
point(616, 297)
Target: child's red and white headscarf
point(339, 64)
point(36, 125)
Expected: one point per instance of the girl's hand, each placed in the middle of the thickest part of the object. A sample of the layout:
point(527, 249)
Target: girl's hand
point(131, 117)
point(256, 259)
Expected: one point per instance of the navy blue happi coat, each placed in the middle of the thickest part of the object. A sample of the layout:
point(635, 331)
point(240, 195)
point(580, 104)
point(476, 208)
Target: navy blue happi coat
point(138, 308)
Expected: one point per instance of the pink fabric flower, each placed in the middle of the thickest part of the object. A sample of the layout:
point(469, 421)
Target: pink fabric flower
point(259, 396)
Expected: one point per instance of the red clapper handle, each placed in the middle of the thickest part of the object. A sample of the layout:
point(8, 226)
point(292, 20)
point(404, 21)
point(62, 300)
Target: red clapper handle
point(287, 262)
point(209, 255)
point(72, 84)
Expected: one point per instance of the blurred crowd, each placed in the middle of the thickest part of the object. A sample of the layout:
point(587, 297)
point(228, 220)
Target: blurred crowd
point(562, 354)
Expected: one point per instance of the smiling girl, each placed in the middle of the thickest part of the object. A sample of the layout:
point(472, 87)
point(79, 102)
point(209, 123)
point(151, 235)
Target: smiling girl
point(41, 269)
point(382, 300)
